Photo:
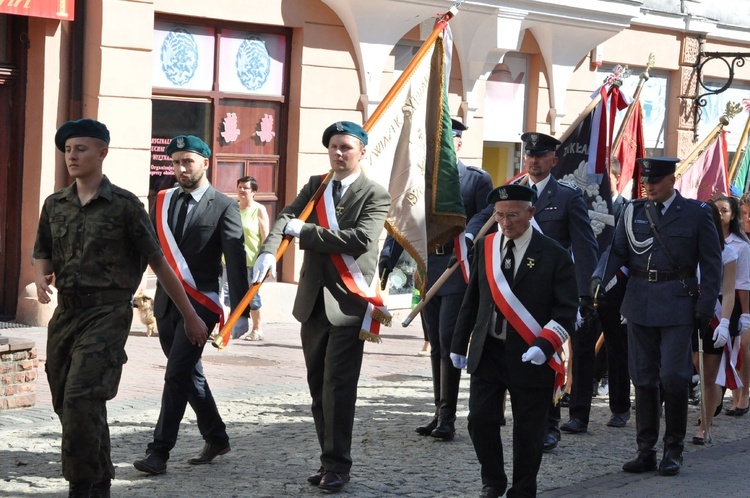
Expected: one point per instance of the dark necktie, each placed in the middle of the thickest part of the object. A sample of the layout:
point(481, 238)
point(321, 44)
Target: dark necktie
point(180, 224)
point(336, 192)
point(509, 261)
point(533, 187)
point(659, 208)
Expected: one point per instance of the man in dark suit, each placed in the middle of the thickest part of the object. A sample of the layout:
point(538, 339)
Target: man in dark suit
point(439, 314)
point(196, 225)
point(662, 240)
point(343, 229)
point(516, 322)
point(562, 215)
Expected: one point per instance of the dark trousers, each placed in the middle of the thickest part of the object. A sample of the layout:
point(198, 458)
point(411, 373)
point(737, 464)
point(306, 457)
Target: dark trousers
point(333, 356)
point(439, 316)
point(616, 339)
point(184, 383)
point(583, 341)
point(530, 406)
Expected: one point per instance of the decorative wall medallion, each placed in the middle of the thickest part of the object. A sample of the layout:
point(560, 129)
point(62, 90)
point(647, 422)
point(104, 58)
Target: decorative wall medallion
point(253, 63)
point(179, 56)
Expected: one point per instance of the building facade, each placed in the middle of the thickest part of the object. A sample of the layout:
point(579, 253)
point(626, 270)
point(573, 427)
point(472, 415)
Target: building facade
point(260, 80)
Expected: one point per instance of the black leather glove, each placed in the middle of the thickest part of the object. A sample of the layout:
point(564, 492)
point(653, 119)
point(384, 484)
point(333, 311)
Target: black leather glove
point(586, 307)
point(384, 269)
point(703, 323)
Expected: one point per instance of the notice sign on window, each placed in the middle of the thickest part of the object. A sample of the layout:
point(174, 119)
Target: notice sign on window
point(162, 174)
point(58, 9)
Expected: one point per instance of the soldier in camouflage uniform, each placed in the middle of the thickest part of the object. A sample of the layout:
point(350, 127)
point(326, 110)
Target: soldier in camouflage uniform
point(94, 241)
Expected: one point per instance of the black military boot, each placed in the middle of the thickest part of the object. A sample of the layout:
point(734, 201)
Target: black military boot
point(647, 404)
point(450, 377)
point(101, 489)
point(79, 489)
point(675, 415)
point(426, 430)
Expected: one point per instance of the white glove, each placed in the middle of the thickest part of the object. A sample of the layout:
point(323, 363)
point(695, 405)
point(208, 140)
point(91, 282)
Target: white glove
point(744, 323)
point(294, 227)
point(266, 261)
point(535, 355)
point(721, 333)
point(459, 361)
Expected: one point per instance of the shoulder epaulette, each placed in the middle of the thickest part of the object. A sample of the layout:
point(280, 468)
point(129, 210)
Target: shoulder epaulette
point(478, 170)
point(568, 184)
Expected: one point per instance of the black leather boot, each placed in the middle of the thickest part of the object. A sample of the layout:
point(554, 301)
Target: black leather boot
point(79, 490)
point(101, 489)
point(426, 430)
point(450, 378)
point(647, 404)
point(675, 415)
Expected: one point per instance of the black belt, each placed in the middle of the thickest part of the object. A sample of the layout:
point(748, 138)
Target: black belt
point(73, 300)
point(662, 276)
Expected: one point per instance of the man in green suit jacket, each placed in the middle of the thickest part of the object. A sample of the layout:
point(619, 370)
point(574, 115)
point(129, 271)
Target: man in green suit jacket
point(344, 229)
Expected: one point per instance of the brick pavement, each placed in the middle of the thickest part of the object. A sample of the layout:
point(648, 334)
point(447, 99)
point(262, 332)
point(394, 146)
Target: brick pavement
point(263, 397)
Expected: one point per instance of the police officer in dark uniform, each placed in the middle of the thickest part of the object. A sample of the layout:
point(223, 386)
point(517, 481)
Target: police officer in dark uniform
point(562, 215)
point(662, 240)
point(440, 313)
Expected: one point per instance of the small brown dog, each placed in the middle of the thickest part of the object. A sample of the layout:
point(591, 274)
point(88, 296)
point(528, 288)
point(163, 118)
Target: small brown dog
point(145, 305)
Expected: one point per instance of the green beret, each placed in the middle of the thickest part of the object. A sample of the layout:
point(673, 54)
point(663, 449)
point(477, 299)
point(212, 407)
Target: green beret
point(344, 128)
point(511, 193)
point(81, 128)
point(539, 143)
point(188, 143)
point(654, 169)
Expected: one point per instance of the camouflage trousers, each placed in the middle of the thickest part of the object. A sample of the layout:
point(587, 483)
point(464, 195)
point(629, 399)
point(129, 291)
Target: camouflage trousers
point(85, 354)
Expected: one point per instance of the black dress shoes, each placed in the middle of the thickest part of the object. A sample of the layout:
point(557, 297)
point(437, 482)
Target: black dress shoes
point(316, 477)
point(550, 442)
point(209, 452)
point(331, 482)
point(153, 464)
point(574, 426)
point(644, 461)
point(489, 492)
point(426, 430)
point(444, 431)
point(671, 463)
point(618, 419)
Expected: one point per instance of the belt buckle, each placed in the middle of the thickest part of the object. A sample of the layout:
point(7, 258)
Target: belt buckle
point(653, 275)
point(440, 250)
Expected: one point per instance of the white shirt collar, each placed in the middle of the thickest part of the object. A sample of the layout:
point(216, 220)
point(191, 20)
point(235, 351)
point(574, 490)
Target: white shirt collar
point(539, 186)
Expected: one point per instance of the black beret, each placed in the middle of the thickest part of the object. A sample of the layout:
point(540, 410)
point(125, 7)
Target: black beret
point(539, 143)
point(344, 128)
point(511, 193)
point(458, 127)
point(188, 143)
point(80, 128)
point(654, 169)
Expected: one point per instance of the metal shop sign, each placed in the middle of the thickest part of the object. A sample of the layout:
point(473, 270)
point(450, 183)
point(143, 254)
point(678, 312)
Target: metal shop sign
point(51, 9)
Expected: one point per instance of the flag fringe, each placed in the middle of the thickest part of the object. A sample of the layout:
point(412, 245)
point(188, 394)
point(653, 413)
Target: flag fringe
point(369, 337)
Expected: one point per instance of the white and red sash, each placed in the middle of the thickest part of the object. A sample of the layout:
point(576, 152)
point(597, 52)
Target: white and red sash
point(462, 254)
point(352, 276)
point(210, 300)
point(516, 313)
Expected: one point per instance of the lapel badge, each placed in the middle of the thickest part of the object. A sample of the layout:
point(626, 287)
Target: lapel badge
point(339, 210)
point(530, 262)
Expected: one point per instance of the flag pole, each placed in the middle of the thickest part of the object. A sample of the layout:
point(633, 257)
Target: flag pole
point(736, 159)
point(642, 79)
point(712, 136)
point(222, 338)
point(441, 23)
